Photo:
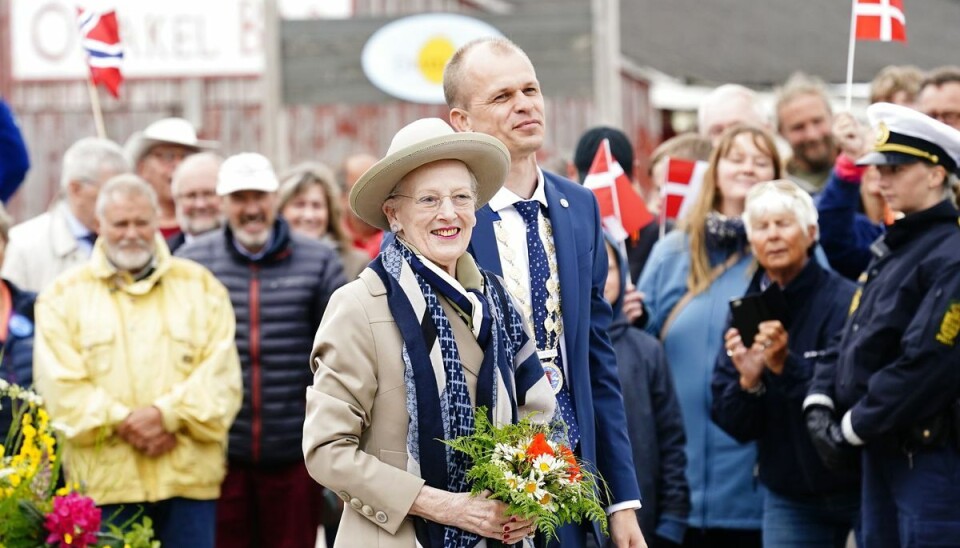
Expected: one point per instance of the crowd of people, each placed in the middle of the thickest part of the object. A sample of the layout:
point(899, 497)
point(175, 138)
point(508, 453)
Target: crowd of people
point(245, 354)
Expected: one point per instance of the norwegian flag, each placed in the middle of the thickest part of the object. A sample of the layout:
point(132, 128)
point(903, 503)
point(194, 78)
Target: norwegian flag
point(881, 20)
point(684, 179)
point(100, 36)
point(622, 210)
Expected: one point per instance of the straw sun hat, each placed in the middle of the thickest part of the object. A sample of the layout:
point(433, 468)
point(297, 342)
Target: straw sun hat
point(422, 142)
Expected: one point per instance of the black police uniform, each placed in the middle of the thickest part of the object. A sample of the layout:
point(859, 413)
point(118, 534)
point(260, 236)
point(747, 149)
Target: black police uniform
point(897, 379)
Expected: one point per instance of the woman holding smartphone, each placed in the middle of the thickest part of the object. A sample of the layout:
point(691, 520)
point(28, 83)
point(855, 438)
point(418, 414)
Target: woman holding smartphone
point(759, 385)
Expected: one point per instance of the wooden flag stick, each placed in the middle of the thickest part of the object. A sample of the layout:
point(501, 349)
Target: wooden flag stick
point(97, 112)
point(850, 50)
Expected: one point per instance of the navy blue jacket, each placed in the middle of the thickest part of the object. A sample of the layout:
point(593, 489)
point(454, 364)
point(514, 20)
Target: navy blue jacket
point(14, 161)
point(896, 365)
point(817, 301)
point(592, 367)
point(653, 422)
point(845, 233)
point(17, 364)
point(278, 300)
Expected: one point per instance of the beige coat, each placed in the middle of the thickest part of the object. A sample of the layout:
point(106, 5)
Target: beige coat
point(355, 433)
point(41, 249)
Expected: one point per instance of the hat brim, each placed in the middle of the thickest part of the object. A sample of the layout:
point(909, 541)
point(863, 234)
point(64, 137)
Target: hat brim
point(887, 159)
point(140, 145)
point(485, 156)
point(258, 186)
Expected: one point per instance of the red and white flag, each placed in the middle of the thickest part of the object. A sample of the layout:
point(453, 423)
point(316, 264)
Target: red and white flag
point(100, 36)
point(684, 179)
point(881, 20)
point(623, 211)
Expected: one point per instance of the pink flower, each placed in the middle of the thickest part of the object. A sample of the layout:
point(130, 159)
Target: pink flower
point(74, 521)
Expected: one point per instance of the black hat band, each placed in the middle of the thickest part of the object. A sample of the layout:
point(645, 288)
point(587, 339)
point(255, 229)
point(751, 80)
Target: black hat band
point(921, 148)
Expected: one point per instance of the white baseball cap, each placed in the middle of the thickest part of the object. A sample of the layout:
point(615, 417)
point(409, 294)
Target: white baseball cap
point(246, 171)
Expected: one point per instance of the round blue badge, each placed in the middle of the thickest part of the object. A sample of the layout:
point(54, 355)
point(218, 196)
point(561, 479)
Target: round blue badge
point(20, 326)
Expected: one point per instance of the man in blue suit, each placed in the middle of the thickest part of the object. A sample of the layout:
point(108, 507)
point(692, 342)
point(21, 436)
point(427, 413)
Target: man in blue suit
point(542, 233)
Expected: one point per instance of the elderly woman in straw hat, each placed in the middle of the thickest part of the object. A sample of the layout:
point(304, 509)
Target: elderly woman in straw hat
point(406, 352)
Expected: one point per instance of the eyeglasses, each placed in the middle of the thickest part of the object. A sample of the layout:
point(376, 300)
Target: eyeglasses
point(949, 117)
point(198, 195)
point(431, 202)
point(169, 156)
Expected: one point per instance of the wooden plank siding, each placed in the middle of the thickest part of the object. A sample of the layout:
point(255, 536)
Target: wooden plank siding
point(53, 115)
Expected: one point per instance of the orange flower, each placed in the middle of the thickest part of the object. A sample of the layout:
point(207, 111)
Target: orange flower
point(573, 469)
point(538, 446)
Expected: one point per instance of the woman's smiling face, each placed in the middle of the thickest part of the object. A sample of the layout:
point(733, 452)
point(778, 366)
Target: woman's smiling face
point(433, 208)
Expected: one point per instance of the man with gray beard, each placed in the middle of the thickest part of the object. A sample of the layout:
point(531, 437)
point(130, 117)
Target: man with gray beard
point(279, 284)
point(134, 355)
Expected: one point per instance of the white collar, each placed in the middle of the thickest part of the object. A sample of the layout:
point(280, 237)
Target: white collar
point(477, 319)
point(506, 197)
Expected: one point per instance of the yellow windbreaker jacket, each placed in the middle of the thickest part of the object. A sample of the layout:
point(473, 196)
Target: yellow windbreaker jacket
point(106, 345)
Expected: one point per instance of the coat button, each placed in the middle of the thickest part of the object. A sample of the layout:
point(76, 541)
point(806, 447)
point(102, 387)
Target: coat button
point(564, 202)
point(356, 504)
point(381, 517)
point(344, 496)
point(367, 510)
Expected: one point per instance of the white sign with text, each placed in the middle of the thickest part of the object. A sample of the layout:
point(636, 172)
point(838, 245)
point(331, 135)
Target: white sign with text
point(173, 38)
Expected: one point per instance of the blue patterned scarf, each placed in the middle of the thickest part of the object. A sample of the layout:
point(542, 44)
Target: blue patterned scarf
point(508, 355)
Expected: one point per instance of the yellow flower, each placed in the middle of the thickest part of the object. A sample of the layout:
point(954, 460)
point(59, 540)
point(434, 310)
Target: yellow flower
point(68, 538)
point(14, 479)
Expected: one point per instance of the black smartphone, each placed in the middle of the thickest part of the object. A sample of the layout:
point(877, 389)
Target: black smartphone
point(748, 311)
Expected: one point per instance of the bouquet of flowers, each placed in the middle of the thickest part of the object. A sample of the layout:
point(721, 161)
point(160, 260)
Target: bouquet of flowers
point(535, 476)
point(34, 512)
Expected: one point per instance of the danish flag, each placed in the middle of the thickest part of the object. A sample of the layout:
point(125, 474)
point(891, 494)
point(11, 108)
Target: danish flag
point(881, 20)
point(684, 179)
point(100, 37)
point(622, 210)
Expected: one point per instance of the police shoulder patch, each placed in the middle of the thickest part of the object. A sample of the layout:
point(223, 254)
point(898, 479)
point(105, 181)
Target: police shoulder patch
point(950, 325)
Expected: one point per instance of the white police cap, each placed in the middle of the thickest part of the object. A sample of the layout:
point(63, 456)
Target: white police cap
point(905, 136)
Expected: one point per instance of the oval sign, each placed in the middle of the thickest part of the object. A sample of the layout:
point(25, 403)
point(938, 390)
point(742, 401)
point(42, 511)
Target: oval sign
point(405, 58)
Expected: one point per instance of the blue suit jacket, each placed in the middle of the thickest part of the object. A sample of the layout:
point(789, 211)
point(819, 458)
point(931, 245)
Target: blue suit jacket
point(590, 360)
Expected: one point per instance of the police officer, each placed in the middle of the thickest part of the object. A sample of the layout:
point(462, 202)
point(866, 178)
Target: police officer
point(896, 369)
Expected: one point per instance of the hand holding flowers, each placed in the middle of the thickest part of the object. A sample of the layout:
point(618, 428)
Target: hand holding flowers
point(539, 480)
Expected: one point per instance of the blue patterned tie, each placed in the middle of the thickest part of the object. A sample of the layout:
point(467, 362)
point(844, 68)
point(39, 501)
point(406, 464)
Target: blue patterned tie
point(539, 274)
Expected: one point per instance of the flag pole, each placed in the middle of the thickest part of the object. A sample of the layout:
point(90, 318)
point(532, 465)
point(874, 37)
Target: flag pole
point(613, 187)
point(663, 204)
point(850, 51)
point(97, 112)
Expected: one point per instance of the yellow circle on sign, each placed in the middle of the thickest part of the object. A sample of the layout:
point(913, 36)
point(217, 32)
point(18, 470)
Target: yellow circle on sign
point(433, 57)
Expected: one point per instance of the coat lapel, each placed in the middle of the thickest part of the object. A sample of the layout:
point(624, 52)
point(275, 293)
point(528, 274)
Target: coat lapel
point(564, 238)
point(483, 243)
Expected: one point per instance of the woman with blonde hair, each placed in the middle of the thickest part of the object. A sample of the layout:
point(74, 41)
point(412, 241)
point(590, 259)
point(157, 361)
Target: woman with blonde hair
point(688, 280)
point(310, 202)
